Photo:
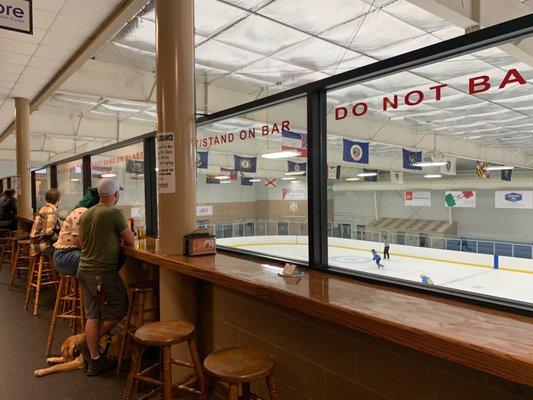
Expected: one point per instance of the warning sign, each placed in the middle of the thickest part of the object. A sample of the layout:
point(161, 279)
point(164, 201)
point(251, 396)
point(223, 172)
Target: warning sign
point(166, 178)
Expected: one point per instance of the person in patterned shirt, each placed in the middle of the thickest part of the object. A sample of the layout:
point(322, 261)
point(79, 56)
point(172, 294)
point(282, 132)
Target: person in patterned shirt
point(68, 245)
point(46, 225)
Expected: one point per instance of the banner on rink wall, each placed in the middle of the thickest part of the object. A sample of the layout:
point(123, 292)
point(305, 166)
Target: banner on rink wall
point(465, 198)
point(417, 199)
point(204, 211)
point(513, 199)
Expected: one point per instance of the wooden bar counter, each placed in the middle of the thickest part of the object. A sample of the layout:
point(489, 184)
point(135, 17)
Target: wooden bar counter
point(495, 342)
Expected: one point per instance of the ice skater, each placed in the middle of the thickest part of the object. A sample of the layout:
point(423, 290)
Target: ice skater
point(426, 280)
point(377, 259)
point(386, 248)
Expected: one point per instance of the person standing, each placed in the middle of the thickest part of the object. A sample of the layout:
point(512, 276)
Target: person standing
point(386, 248)
point(8, 210)
point(102, 229)
point(46, 226)
point(68, 245)
point(377, 258)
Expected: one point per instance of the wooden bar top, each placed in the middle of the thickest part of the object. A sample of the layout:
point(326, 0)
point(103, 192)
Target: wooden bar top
point(492, 341)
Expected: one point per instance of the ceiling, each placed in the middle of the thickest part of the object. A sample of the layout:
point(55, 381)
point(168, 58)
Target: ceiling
point(247, 49)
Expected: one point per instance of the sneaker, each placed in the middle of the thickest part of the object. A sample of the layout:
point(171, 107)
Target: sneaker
point(83, 349)
point(99, 365)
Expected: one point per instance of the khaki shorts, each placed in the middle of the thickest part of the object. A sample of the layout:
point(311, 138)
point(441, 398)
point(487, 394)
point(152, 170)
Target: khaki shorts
point(110, 303)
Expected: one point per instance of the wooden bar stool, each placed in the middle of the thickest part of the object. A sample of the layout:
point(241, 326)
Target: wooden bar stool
point(69, 306)
point(42, 273)
point(241, 365)
point(4, 244)
point(138, 293)
point(10, 245)
point(164, 335)
point(22, 260)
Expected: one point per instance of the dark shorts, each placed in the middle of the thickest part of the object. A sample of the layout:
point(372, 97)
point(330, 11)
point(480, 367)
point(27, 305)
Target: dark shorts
point(111, 303)
point(66, 261)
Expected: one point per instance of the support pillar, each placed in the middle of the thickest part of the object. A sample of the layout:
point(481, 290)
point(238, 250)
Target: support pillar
point(22, 134)
point(176, 115)
point(376, 205)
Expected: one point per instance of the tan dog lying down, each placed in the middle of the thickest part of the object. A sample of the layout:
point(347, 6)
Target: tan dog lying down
point(70, 359)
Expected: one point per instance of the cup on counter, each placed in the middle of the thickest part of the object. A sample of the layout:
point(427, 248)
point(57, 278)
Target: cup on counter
point(140, 232)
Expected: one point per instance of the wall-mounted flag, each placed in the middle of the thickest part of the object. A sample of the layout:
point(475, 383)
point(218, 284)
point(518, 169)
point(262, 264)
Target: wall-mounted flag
point(245, 164)
point(481, 170)
point(297, 167)
point(211, 179)
point(371, 178)
point(356, 152)
point(246, 181)
point(506, 174)
point(270, 182)
point(294, 141)
point(334, 172)
point(396, 177)
point(411, 157)
point(202, 159)
point(229, 172)
point(451, 166)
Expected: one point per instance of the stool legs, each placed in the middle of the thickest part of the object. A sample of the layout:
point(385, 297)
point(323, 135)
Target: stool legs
point(195, 356)
point(29, 281)
point(62, 284)
point(271, 387)
point(134, 370)
point(233, 391)
point(246, 392)
point(167, 373)
point(38, 288)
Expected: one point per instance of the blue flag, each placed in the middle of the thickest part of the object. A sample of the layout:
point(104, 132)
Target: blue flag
point(297, 167)
point(506, 174)
point(411, 157)
point(246, 181)
point(356, 152)
point(373, 178)
point(201, 159)
point(245, 164)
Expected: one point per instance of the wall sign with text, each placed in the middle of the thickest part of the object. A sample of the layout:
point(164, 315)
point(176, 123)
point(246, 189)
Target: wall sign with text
point(513, 199)
point(417, 199)
point(16, 15)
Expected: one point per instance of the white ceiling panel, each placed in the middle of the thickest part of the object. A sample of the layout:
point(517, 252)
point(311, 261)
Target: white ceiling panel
point(43, 19)
point(212, 15)
point(14, 58)
point(220, 55)
point(17, 47)
point(48, 5)
point(416, 16)
point(74, 26)
point(93, 11)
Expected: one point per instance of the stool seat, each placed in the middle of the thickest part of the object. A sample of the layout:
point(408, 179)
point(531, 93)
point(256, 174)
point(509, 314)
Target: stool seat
point(164, 333)
point(239, 364)
point(143, 286)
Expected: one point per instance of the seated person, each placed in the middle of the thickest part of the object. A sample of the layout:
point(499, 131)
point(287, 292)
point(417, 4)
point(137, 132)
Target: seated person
point(46, 225)
point(68, 245)
point(8, 210)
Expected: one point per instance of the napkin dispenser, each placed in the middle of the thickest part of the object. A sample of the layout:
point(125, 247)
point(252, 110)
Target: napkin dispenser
point(200, 243)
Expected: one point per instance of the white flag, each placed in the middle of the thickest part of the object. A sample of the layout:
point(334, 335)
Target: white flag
point(450, 167)
point(396, 177)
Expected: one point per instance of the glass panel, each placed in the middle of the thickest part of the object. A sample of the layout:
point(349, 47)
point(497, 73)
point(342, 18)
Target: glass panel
point(42, 184)
point(422, 160)
point(126, 165)
point(69, 183)
point(254, 202)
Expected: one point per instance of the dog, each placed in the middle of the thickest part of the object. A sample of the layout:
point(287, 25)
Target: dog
point(71, 359)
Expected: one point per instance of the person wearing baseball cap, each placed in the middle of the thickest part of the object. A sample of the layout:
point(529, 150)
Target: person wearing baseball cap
point(102, 229)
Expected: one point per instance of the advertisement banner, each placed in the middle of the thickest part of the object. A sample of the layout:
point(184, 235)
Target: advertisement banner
point(204, 211)
point(417, 199)
point(292, 193)
point(465, 198)
point(16, 15)
point(513, 199)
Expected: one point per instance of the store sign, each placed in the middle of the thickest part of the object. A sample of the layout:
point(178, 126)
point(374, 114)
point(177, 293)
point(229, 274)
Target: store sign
point(166, 176)
point(204, 211)
point(293, 193)
point(513, 199)
point(465, 198)
point(417, 199)
point(16, 15)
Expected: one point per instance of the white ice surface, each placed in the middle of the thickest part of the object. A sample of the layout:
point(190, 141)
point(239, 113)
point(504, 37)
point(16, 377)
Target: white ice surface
point(488, 281)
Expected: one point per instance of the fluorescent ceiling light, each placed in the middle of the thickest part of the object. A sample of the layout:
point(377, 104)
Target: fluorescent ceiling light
point(222, 177)
point(498, 167)
point(227, 181)
point(281, 154)
point(288, 178)
point(429, 164)
point(254, 180)
point(433, 176)
point(353, 179)
point(363, 174)
point(74, 179)
point(110, 175)
point(475, 137)
point(117, 108)
point(295, 173)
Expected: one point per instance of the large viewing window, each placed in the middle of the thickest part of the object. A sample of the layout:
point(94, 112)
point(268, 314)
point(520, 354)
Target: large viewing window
point(69, 183)
point(252, 189)
point(42, 184)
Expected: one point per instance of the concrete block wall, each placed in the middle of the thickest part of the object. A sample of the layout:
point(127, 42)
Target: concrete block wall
point(316, 360)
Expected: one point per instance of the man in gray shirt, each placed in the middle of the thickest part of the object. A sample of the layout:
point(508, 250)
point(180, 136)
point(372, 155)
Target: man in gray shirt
point(386, 254)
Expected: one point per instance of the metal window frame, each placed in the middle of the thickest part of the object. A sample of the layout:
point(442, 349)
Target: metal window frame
point(150, 185)
point(33, 192)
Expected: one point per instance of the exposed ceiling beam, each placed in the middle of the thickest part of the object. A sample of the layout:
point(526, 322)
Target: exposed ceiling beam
point(116, 20)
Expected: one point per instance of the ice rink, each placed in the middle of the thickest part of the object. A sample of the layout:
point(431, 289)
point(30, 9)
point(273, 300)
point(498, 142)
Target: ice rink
point(516, 284)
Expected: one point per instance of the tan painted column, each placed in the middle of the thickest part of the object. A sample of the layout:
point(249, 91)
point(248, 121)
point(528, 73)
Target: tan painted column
point(176, 114)
point(22, 133)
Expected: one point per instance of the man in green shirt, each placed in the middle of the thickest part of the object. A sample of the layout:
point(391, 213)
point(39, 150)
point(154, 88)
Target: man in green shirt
point(102, 229)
